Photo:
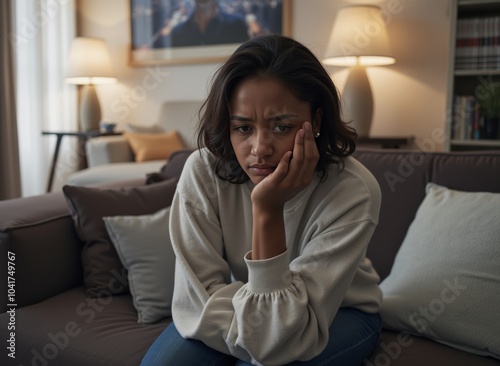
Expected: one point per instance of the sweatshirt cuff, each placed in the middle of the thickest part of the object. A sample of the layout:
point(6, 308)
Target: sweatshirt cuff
point(268, 275)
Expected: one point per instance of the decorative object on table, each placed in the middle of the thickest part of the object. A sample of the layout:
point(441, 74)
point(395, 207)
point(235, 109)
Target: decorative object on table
point(108, 127)
point(89, 65)
point(359, 39)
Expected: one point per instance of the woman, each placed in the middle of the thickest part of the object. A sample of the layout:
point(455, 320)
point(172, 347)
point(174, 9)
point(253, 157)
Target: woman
point(270, 223)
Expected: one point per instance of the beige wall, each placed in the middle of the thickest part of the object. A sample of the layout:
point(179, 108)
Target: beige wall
point(410, 96)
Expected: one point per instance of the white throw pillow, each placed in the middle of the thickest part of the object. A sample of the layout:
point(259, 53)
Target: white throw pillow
point(445, 281)
point(144, 247)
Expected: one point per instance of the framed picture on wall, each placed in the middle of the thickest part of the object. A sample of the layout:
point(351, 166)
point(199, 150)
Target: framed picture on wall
point(200, 31)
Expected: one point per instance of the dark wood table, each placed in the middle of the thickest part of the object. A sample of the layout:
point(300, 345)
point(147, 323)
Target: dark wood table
point(83, 136)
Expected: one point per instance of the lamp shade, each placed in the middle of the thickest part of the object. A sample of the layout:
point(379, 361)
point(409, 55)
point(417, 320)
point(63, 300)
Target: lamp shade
point(359, 36)
point(89, 62)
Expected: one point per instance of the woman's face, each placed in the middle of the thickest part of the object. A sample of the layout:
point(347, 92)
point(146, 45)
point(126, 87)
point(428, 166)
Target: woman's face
point(265, 117)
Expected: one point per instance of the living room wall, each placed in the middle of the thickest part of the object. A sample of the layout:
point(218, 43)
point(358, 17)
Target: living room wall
point(410, 96)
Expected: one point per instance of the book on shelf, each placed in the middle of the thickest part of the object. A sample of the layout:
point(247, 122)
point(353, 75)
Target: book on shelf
point(478, 43)
point(467, 121)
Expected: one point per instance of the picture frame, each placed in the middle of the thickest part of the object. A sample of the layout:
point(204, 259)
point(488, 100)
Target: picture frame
point(164, 32)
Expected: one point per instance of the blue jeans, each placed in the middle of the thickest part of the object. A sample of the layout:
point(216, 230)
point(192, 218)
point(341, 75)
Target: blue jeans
point(353, 336)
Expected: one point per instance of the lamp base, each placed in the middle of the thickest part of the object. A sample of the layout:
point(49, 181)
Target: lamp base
point(90, 110)
point(357, 100)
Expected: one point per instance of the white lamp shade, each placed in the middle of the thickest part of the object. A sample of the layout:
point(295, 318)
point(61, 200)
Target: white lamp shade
point(89, 62)
point(359, 36)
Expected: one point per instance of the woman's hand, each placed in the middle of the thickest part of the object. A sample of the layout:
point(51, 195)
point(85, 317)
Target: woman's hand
point(269, 196)
point(292, 174)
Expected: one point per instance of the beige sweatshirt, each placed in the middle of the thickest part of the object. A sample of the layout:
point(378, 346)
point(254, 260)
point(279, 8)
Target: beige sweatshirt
point(278, 310)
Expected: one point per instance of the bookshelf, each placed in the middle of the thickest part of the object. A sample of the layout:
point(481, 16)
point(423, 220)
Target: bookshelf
point(474, 75)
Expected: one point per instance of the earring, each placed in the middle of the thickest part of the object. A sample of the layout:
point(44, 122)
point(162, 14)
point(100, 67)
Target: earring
point(316, 134)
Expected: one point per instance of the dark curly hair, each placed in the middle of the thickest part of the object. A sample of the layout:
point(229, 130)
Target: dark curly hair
point(296, 66)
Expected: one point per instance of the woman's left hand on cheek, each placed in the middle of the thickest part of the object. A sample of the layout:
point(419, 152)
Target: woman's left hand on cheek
point(304, 159)
point(292, 174)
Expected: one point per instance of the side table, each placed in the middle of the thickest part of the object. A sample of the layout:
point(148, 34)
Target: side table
point(385, 142)
point(83, 136)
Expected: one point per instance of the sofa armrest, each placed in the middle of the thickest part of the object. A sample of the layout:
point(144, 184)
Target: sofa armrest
point(45, 250)
point(108, 149)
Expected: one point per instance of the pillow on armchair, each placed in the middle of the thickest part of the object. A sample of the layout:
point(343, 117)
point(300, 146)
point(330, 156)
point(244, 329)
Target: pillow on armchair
point(171, 169)
point(153, 146)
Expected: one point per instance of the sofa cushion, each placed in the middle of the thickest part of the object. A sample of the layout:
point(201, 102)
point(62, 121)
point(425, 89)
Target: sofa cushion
point(401, 175)
point(153, 146)
point(172, 168)
point(143, 245)
point(470, 171)
point(103, 271)
point(445, 282)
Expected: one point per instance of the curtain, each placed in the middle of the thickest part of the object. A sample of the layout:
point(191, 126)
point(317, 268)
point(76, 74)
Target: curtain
point(10, 176)
point(44, 31)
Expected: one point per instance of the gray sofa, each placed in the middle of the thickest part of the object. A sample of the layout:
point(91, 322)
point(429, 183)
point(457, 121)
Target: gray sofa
point(56, 324)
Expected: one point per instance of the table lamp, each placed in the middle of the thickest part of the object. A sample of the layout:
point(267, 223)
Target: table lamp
point(89, 65)
point(358, 39)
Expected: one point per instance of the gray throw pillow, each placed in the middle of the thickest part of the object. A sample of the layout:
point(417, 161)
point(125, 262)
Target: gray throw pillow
point(143, 245)
point(445, 281)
